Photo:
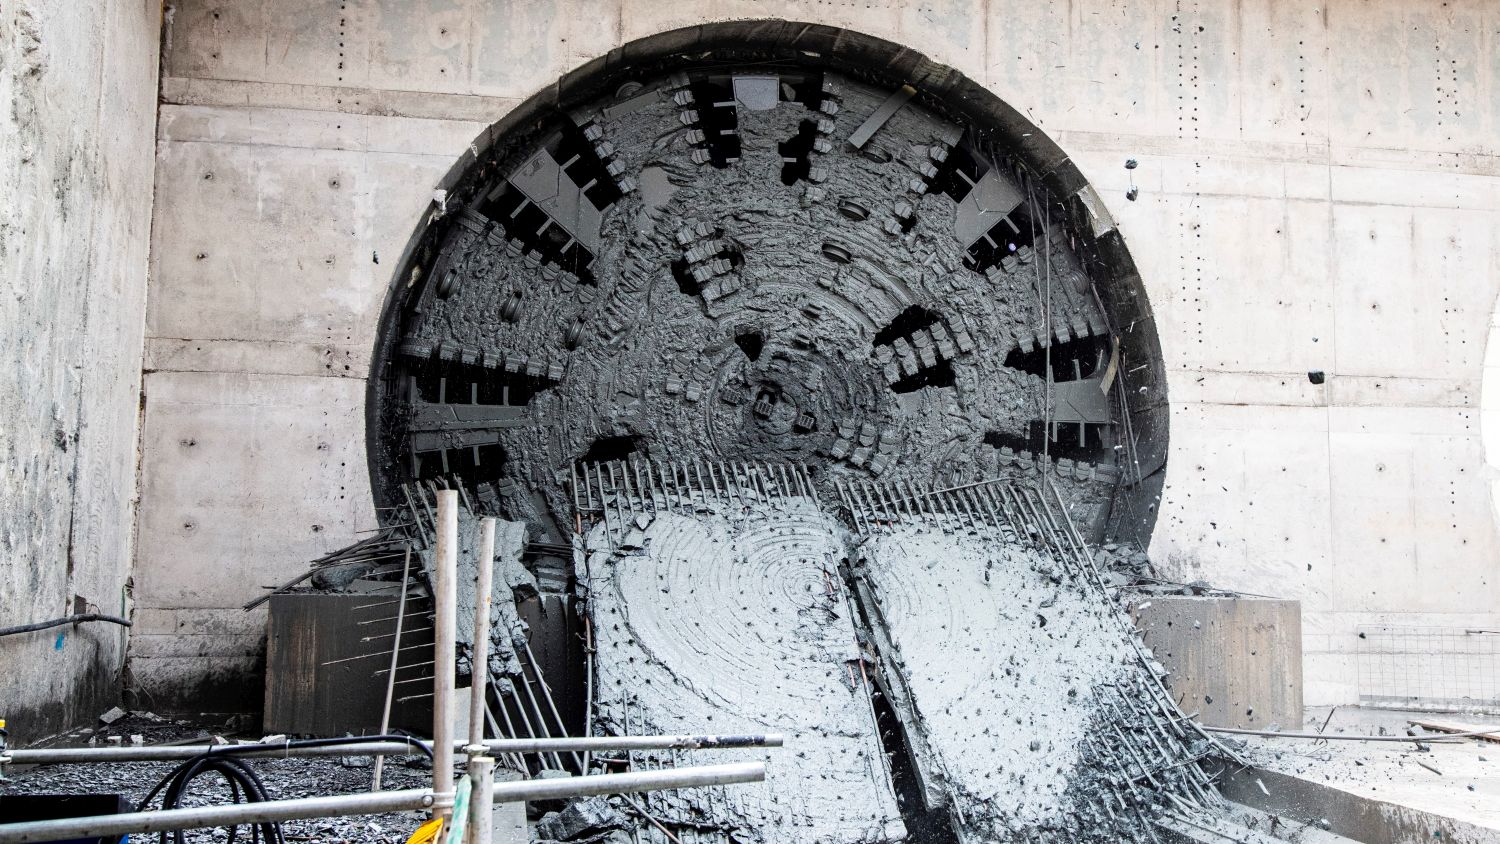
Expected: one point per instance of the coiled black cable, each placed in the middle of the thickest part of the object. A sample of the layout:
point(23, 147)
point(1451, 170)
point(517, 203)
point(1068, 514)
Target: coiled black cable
point(242, 780)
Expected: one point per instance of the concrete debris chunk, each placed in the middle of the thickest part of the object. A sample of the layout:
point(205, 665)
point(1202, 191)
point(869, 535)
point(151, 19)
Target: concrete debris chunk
point(580, 818)
point(113, 715)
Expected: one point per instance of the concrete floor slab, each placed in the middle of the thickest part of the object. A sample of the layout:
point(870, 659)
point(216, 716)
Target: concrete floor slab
point(1457, 785)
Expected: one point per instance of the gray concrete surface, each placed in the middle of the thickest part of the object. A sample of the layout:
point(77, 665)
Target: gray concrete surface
point(732, 621)
point(1383, 793)
point(1001, 680)
point(77, 110)
point(1237, 662)
point(1014, 670)
point(1306, 203)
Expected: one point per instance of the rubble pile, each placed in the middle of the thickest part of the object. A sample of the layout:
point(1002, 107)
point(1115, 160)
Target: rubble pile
point(977, 658)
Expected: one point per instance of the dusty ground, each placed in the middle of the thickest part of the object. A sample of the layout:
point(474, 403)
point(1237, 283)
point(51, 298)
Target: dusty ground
point(283, 778)
point(1460, 780)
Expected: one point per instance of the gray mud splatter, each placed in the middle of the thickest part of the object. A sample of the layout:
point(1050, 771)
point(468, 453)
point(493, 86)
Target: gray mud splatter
point(1026, 710)
point(1001, 659)
point(735, 622)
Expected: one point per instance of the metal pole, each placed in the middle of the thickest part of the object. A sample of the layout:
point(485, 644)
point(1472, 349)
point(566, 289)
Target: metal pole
point(445, 636)
point(535, 708)
point(481, 811)
point(480, 664)
point(588, 681)
point(114, 826)
point(110, 826)
point(481, 766)
point(515, 759)
point(76, 755)
point(528, 791)
point(536, 669)
point(82, 755)
point(390, 683)
point(602, 743)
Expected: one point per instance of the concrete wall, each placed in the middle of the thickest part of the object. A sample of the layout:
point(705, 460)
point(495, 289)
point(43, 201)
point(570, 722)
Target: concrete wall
point(1237, 662)
point(77, 111)
point(1318, 191)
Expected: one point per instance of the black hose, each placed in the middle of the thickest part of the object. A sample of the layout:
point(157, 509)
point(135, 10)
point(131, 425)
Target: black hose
point(58, 622)
point(242, 779)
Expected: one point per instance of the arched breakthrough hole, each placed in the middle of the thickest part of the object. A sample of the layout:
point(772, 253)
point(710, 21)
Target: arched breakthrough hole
point(881, 269)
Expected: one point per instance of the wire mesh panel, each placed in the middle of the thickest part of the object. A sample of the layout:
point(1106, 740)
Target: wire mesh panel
point(1436, 668)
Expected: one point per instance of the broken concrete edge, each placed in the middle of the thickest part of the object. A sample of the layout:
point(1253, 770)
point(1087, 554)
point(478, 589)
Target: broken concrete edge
point(1344, 812)
point(942, 89)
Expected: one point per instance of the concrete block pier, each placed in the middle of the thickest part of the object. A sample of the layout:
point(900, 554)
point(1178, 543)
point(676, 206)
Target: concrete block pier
point(1237, 662)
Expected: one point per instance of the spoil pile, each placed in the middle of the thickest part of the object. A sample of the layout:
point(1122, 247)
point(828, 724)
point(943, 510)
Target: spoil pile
point(975, 651)
point(734, 621)
point(1003, 660)
point(1029, 707)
